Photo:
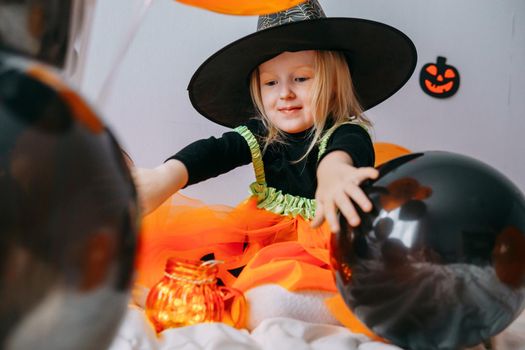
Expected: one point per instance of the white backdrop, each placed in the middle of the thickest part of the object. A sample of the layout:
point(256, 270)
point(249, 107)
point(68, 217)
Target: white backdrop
point(147, 104)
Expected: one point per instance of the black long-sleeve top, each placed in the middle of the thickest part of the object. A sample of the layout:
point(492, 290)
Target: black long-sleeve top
point(211, 157)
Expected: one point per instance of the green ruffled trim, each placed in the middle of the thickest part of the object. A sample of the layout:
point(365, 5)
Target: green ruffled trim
point(276, 202)
point(258, 165)
point(324, 142)
point(269, 198)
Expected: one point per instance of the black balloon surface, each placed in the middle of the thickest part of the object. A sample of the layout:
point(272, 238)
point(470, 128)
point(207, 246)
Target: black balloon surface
point(439, 263)
point(68, 218)
point(41, 29)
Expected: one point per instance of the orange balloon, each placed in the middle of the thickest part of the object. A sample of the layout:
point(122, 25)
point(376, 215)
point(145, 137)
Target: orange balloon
point(243, 7)
point(388, 151)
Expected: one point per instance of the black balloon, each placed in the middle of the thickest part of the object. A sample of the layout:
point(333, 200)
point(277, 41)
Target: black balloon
point(39, 29)
point(68, 218)
point(439, 263)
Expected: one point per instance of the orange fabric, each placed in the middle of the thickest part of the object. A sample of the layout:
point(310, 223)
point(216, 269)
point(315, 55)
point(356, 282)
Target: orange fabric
point(272, 248)
point(188, 228)
point(243, 7)
point(236, 236)
point(289, 265)
point(342, 313)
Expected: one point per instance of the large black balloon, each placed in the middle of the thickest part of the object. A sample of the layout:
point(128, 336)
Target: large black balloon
point(40, 29)
point(68, 218)
point(439, 263)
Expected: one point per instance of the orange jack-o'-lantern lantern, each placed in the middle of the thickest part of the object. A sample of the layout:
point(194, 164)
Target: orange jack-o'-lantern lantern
point(439, 79)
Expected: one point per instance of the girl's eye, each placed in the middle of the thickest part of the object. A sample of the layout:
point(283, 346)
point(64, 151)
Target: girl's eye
point(270, 83)
point(301, 79)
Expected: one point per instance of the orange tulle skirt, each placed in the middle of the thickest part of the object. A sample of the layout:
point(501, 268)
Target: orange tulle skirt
point(267, 247)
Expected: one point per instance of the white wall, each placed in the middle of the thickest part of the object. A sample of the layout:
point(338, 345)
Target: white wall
point(148, 108)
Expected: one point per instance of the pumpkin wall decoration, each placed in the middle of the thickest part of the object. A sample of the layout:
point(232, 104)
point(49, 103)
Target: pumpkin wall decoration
point(439, 79)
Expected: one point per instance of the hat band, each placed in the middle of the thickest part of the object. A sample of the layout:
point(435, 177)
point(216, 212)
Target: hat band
point(306, 11)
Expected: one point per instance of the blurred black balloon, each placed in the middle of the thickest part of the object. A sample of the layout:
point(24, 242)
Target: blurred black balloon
point(68, 217)
point(40, 29)
point(439, 263)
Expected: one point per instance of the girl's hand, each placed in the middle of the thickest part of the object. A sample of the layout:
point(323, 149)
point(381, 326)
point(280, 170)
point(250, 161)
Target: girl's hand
point(337, 185)
point(156, 185)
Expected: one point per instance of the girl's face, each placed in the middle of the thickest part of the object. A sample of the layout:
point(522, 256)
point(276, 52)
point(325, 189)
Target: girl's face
point(286, 85)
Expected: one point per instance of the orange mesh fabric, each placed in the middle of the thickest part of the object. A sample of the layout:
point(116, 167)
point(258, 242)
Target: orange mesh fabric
point(188, 228)
point(273, 248)
point(342, 313)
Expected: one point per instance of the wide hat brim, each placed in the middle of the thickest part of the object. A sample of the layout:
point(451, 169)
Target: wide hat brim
point(381, 60)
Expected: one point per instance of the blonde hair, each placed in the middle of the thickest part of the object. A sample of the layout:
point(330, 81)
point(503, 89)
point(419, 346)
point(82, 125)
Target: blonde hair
point(332, 97)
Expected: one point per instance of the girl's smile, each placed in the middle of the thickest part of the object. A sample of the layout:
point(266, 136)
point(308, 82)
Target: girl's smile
point(286, 85)
point(289, 110)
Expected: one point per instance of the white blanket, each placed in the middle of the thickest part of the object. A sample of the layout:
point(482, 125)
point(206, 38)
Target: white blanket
point(270, 329)
point(273, 334)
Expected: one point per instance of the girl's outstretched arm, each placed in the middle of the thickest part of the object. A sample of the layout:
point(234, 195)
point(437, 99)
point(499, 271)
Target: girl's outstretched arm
point(156, 185)
point(337, 182)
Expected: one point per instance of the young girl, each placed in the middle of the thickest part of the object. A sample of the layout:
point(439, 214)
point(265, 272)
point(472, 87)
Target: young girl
point(288, 90)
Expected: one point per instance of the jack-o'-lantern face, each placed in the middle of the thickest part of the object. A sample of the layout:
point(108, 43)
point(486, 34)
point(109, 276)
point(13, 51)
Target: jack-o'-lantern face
point(439, 79)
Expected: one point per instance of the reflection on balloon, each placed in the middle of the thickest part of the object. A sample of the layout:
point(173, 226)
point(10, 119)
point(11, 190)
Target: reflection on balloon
point(67, 218)
point(508, 257)
point(243, 7)
point(439, 263)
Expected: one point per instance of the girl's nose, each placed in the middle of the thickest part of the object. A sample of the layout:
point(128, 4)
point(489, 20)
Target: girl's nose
point(286, 92)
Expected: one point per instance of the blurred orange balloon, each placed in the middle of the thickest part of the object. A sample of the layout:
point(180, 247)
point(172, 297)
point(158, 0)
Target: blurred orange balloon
point(388, 151)
point(243, 7)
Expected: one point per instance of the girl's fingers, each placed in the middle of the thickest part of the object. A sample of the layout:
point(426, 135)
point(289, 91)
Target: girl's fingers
point(363, 174)
point(319, 215)
point(327, 209)
point(330, 214)
point(347, 209)
point(359, 197)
